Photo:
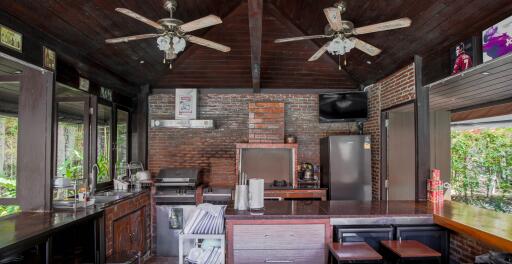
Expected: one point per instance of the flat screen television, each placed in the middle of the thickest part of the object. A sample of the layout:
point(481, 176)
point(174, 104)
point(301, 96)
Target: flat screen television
point(343, 107)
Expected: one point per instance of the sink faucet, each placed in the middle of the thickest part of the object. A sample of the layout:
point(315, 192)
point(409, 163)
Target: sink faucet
point(92, 177)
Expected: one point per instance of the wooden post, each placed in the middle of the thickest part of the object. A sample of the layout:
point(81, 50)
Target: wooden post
point(140, 127)
point(422, 127)
point(255, 29)
point(35, 140)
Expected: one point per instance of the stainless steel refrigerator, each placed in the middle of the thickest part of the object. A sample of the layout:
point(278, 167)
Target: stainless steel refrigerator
point(345, 165)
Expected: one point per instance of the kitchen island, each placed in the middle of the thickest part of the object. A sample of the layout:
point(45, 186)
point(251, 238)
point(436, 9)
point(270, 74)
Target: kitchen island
point(300, 230)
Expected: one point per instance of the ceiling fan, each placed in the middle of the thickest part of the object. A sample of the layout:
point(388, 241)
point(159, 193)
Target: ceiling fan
point(172, 33)
point(342, 33)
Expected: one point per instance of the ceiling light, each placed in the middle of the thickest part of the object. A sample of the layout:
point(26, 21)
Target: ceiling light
point(340, 46)
point(368, 62)
point(141, 62)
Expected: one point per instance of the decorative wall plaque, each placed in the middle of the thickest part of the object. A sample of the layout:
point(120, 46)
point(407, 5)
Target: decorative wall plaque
point(106, 93)
point(83, 84)
point(10, 38)
point(49, 58)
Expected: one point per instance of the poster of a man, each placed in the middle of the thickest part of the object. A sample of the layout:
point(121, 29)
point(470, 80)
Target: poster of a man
point(463, 60)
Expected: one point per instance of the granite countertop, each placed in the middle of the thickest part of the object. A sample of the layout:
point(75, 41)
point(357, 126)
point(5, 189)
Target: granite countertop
point(493, 228)
point(23, 227)
point(332, 209)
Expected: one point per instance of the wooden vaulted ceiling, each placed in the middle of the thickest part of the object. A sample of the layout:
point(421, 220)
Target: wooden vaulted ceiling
point(85, 24)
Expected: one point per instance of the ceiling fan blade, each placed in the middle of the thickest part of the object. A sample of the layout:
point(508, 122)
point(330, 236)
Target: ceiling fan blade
point(142, 19)
point(130, 38)
point(203, 22)
point(282, 40)
point(365, 47)
point(333, 15)
point(393, 24)
point(207, 43)
point(320, 52)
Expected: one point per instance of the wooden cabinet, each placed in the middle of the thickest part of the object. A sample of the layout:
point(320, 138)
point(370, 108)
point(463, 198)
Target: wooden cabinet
point(129, 234)
point(278, 241)
point(128, 226)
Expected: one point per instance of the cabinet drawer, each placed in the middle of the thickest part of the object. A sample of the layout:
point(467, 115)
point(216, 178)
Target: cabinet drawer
point(310, 256)
point(279, 236)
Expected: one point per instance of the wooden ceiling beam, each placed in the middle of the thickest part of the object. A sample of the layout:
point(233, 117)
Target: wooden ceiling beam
point(255, 31)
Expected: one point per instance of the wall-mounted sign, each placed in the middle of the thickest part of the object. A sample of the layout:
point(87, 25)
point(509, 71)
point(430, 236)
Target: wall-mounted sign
point(186, 104)
point(83, 84)
point(10, 38)
point(497, 40)
point(106, 93)
point(49, 58)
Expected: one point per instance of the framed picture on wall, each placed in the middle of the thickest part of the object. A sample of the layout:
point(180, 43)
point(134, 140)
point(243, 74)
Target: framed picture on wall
point(186, 104)
point(461, 56)
point(497, 40)
point(49, 59)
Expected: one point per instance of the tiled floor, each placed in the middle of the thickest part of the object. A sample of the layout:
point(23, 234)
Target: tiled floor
point(162, 260)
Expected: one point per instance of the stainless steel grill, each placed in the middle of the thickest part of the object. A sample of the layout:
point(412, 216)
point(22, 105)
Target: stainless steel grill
point(176, 186)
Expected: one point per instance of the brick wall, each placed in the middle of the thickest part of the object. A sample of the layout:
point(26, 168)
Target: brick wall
point(195, 147)
point(393, 90)
point(266, 122)
point(464, 249)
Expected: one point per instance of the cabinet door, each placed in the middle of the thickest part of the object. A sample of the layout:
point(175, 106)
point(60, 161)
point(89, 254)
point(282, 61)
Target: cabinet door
point(122, 242)
point(434, 237)
point(138, 231)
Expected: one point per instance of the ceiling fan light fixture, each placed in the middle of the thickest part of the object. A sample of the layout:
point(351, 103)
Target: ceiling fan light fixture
point(340, 46)
point(178, 44)
point(164, 43)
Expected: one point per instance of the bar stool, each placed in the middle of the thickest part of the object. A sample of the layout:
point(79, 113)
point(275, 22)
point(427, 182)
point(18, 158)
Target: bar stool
point(353, 252)
point(410, 250)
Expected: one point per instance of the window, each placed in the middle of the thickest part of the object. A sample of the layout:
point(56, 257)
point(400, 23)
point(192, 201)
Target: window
point(104, 143)
point(9, 94)
point(71, 139)
point(9, 99)
point(8, 155)
point(481, 156)
point(122, 143)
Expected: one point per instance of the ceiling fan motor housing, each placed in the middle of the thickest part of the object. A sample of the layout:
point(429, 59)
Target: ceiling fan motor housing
point(346, 29)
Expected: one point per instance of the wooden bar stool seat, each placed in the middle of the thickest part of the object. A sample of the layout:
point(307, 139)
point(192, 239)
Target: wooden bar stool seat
point(410, 250)
point(354, 252)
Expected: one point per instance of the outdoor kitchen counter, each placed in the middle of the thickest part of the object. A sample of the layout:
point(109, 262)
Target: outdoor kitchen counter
point(23, 230)
point(492, 228)
point(27, 228)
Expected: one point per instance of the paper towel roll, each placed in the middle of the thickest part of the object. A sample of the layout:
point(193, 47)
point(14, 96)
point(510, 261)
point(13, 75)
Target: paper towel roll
point(256, 193)
point(242, 197)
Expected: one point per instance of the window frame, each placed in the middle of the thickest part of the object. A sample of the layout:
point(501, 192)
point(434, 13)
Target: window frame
point(129, 134)
point(5, 201)
point(94, 143)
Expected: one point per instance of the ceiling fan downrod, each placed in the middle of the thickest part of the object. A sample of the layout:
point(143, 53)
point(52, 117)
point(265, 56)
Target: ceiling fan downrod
point(170, 5)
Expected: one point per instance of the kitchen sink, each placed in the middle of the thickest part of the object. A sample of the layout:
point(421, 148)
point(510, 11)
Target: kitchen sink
point(105, 199)
point(109, 196)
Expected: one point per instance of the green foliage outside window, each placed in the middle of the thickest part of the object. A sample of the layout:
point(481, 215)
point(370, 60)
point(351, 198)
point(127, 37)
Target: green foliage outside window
point(482, 168)
point(8, 209)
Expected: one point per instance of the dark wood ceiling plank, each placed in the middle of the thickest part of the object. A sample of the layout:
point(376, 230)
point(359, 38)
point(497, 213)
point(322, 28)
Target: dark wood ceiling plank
point(255, 9)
